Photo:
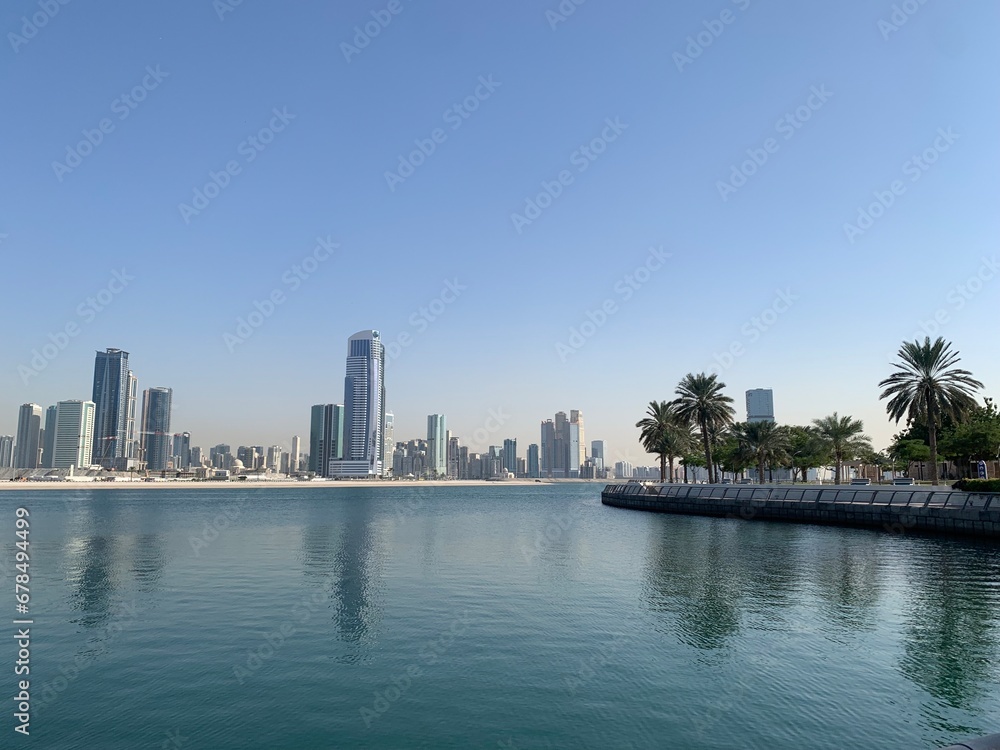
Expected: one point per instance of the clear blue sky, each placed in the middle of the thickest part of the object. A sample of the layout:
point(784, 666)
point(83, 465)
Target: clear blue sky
point(884, 95)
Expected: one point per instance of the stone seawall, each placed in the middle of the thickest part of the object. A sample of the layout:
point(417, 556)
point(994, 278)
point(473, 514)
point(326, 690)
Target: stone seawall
point(894, 509)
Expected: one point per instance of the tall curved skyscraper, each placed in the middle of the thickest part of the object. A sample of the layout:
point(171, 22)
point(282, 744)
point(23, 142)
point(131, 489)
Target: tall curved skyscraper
point(364, 408)
point(114, 419)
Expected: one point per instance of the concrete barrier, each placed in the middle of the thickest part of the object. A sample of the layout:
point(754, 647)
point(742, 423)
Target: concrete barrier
point(891, 508)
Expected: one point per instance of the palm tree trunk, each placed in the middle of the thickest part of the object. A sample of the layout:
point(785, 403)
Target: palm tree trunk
point(708, 448)
point(760, 471)
point(663, 467)
point(932, 438)
point(670, 458)
point(836, 471)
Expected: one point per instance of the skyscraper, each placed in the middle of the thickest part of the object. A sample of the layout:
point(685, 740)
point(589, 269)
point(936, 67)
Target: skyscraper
point(388, 439)
point(29, 434)
point(534, 468)
point(364, 408)
point(181, 450)
point(560, 461)
point(293, 456)
point(112, 391)
point(48, 437)
point(248, 456)
point(437, 445)
point(760, 405)
point(597, 453)
point(274, 457)
point(220, 456)
point(156, 436)
point(326, 437)
point(576, 417)
point(510, 455)
point(131, 437)
point(74, 434)
point(548, 447)
point(6, 451)
point(320, 420)
point(454, 457)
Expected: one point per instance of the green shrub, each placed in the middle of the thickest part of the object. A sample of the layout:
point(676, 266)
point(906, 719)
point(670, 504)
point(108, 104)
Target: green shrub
point(977, 485)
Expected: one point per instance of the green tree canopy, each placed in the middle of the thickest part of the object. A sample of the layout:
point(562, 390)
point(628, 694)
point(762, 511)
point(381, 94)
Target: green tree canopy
point(976, 439)
point(807, 449)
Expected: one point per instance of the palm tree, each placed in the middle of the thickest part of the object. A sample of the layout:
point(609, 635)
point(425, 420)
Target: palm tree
point(700, 402)
point(844, 437)
point(927, 386)
point(664, 434)
point(763, 442)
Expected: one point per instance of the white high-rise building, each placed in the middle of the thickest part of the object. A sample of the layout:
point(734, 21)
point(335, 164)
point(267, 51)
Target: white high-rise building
point(623, 470)
point(74, 441)
point(274, 457)
point(437, 445)
point(133, 441)
point(760, 405)
point(293, 456)
point(576, 417)
point(388, 439)
point(364, 408)
point(573, 451)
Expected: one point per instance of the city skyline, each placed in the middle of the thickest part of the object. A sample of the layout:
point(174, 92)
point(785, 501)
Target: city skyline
point(494, 423)
point(661, 209)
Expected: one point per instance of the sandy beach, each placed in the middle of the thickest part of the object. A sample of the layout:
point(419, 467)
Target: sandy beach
point(274, 483)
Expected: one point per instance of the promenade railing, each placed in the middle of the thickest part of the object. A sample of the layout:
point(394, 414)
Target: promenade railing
point(894, 497)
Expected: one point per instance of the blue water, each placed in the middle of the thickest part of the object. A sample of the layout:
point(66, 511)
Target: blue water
point(520, 617)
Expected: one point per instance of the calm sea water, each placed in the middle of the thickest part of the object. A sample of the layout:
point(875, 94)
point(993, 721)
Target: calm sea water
point(493, 617)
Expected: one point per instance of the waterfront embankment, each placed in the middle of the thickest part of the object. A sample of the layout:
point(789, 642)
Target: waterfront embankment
point(894, 509)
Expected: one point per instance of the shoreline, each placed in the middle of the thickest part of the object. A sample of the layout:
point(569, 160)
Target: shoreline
point(281, 483)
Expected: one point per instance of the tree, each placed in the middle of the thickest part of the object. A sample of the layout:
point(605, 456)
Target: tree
point(665, 434)
point(730, 456)
point(762, 442)
point(844, 438)
point(691, 459)
point(807, 450)
point(927, 386)
point(909, 451)
point(977, 439)
point(700, 402)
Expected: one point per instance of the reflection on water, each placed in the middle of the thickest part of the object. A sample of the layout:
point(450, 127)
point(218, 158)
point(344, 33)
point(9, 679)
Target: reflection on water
point(950, 637)
point(93, 573)
point(708, 577)
point(711, 582)
point(147, 561)
point(847, 576)
point(339, 551)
